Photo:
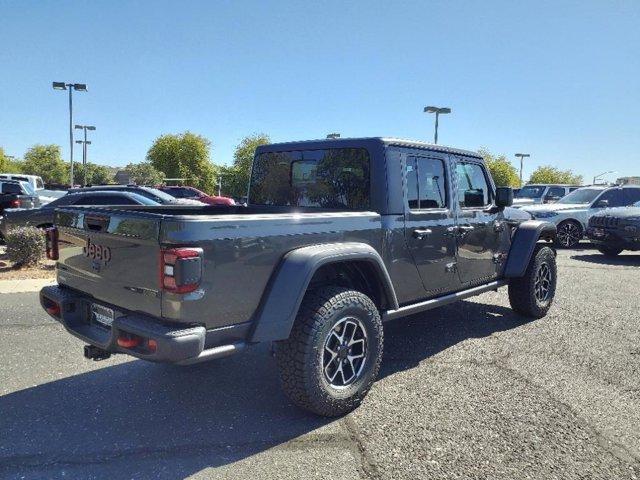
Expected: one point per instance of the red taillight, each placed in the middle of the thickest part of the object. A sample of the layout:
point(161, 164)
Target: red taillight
point(180, 269)
point(15, 204)
point(52, 243)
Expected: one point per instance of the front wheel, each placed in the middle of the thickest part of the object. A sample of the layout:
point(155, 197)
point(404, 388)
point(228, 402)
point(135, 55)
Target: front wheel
point(334, 351)
point(610, 251)
point(569, 234)
point(533, 293)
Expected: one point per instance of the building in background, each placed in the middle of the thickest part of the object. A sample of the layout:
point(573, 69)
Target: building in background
point(122, 177)
point(628, 181)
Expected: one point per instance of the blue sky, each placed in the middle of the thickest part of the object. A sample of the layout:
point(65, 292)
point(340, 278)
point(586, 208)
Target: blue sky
point(560, 80)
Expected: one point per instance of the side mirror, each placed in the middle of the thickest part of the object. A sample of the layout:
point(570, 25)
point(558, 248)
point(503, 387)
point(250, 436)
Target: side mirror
point(504, 197)
point(602, 204)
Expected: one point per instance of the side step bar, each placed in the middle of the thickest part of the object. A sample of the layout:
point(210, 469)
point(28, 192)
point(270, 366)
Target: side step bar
point(216, 352)
point(440, 301)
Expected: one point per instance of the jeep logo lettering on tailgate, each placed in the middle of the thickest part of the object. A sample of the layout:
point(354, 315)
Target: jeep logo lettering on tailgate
point(96, 252)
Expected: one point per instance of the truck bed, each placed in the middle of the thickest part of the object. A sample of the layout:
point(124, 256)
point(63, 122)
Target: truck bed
point(242, 247)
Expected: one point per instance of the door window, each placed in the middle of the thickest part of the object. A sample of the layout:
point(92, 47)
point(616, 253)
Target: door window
point(556, 192)
point(630, 196)
point(426, 185)
point(613, 198)
point(473, 188)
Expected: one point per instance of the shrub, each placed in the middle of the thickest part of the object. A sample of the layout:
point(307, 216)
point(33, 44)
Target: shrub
point(25, 246)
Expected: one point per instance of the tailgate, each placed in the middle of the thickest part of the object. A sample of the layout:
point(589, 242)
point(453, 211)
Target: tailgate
point(113, 255)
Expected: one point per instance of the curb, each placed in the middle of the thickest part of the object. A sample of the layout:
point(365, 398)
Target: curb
point(24, 286)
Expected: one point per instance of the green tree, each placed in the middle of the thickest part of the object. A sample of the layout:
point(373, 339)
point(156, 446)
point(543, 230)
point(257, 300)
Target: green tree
point(503, 172)
point(96, 174)
point(235, 178)
point(549, 174)
point(44, 160)
point(184, 155)
point(144, 173)
point(7, 165)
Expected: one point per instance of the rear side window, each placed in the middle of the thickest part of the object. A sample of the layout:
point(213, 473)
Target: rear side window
point(473, 188)
point(11, 188)
point(330, 178)
point(630, 195)
point(426, 185)
point(39, 184)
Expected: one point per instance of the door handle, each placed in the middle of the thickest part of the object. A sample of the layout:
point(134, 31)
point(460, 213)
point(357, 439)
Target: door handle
point(420, 233)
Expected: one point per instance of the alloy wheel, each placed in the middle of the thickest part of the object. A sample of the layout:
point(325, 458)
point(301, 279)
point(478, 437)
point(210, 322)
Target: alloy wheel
point(542, 283)
point(569, 234)
point(344, 353)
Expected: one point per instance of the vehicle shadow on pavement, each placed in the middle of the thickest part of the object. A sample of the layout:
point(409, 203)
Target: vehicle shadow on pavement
point(413, 339)
point(599, 259)
point(142, 420)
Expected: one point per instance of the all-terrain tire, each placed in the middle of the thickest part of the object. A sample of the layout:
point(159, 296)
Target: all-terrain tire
point(610, 251)
point(303, 358)
point(532, 294)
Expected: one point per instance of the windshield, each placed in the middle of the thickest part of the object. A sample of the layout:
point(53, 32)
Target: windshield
point(142, 199)
point(159, 195)
point(530, 191)
point(181, 192)
point(582, 195)
point(28, 188)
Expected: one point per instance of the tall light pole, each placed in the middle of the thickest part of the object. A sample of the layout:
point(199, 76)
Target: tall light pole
point(438, 111)
point(81, 87)
point(602, 175)
point(84, 150)
point(522, 157)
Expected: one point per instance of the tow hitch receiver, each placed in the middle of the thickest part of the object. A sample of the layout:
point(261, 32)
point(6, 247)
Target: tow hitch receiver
point(95, 353)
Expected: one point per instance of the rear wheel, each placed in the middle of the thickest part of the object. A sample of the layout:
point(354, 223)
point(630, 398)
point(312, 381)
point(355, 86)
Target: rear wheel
point(533, 293)
point(610, 251)
point(569, 234)
point(333, 354)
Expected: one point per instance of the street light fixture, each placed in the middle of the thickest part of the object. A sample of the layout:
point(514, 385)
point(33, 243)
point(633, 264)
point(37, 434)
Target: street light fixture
point(81, 87)
point(602, 175)
point(522, 157)
point(438, 111)
point(333, 135)
point(84, 143)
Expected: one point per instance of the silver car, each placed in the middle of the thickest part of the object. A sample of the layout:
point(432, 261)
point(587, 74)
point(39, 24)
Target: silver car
point(571, 214)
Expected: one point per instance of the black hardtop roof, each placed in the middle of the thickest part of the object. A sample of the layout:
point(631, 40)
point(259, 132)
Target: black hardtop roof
point(360, 142)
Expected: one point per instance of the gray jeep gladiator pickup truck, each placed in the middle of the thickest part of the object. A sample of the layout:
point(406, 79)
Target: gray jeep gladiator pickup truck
point(338, 236)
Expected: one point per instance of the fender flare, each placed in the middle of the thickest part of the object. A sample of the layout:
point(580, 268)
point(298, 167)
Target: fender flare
point(524, 243)
point(286, 289)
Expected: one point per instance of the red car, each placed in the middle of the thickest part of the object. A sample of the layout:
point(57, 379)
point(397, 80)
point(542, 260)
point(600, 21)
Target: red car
point(195, 194)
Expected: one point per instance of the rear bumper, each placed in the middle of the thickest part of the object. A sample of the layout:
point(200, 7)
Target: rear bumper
point(173, 343)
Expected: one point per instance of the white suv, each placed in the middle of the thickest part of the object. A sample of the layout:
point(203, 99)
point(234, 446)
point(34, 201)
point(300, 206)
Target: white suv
point(536, 194)
point(571, 214)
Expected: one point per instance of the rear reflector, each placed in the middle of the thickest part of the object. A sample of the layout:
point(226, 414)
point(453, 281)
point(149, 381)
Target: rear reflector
point(53, 309)
point(129, 342)
point(180, 269)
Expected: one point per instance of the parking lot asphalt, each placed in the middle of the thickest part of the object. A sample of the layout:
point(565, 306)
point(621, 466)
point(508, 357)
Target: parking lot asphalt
point(470, 390)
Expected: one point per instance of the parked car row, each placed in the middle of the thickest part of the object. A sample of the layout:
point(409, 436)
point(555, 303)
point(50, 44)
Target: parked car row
point(572, 213)
point(24, 207)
